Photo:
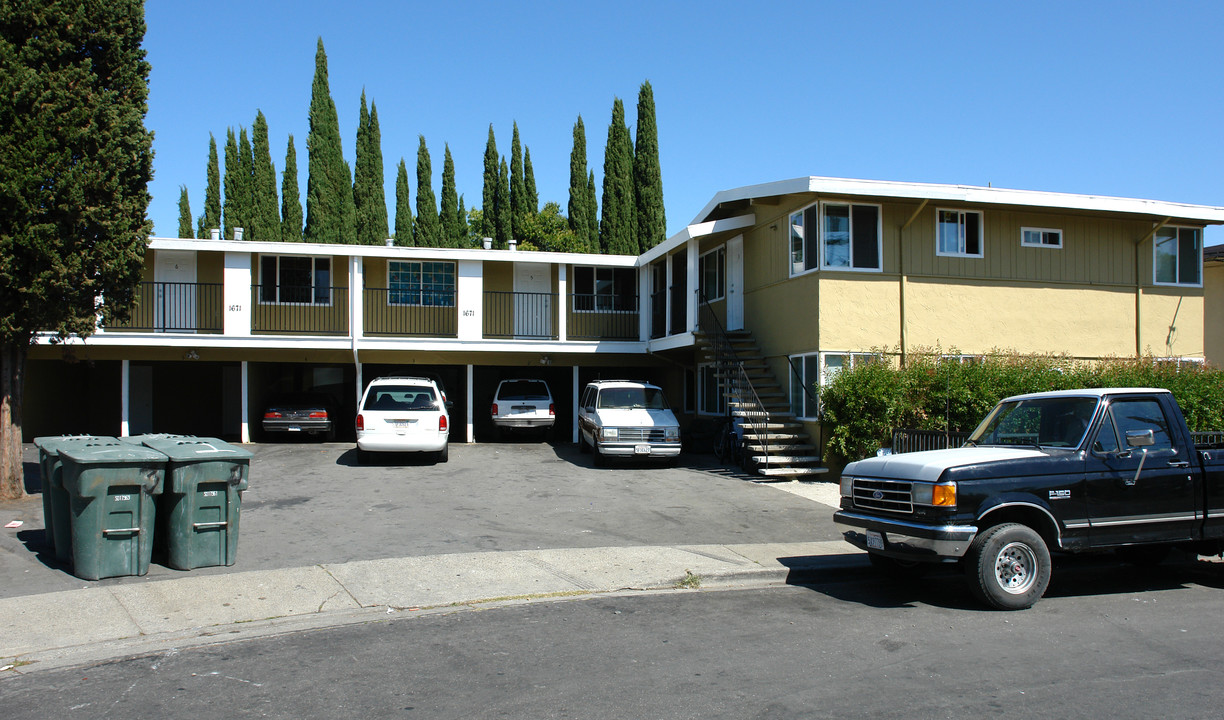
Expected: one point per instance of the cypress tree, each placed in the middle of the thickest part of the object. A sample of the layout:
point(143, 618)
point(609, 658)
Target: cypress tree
point(378, 192)
point(184, 229)
point(212, 193)
point(450, 203)
point(246, 182)
point(403, 207)
point(233, 214)
point(489, 193)
point(369, 198)
point(428, 230)
point(579, 223)
point(461, 225)
point(502, 208)
point(592, 215)
point(265, 215)
point(330, 215)
point(647, 176)
point(531, 197)
point(618, 225)
point(518, 188)
point(291, 198)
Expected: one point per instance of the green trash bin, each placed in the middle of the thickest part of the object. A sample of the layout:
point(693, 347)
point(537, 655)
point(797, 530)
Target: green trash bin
point(57, 507)
point(112, 487)
point(198, 513)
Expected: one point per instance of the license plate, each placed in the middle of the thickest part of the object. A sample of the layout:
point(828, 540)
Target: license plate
point(875, 540)
point(402, 423)
point(295, 428)
point(641, 449)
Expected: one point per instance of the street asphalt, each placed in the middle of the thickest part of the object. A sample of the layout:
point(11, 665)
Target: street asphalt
point(324, 541)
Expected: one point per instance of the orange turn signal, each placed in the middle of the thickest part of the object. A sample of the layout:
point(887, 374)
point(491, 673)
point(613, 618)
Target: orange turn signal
point(944, 496)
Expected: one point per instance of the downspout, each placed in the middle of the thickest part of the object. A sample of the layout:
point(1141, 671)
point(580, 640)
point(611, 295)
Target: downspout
point(1139, 287)
point(904, 278)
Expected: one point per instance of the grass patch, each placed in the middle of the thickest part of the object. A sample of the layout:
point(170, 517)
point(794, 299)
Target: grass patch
point(689, 581)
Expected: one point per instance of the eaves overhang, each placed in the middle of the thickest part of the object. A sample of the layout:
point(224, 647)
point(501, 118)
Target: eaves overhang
point(696, 230)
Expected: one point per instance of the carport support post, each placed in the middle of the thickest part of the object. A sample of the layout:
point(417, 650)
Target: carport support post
point(245, 406)
point(125, 391)
point(470, 429)
point(576, 400)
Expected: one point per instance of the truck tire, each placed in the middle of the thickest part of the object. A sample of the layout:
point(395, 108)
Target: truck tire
point(895, 569)
point(1008, 567)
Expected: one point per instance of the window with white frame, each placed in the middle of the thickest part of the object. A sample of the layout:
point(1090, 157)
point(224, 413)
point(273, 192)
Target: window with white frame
point(712, 272)
point(430, 284)
point(851, 236)
point(1041, 237)
point(804, 385)
point(605, 289)
point(804, 239)
point(294, 279)
point(1178, 256)
point(959, 233)
point(711, 400)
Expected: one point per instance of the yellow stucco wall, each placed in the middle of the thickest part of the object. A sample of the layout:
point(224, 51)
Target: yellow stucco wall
point(1213, 313)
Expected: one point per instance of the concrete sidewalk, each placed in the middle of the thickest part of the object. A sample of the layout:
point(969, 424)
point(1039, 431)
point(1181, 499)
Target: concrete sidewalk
point(81, 626)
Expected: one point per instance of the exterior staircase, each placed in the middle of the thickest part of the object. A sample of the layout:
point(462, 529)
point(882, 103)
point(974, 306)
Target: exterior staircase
point(775, 444)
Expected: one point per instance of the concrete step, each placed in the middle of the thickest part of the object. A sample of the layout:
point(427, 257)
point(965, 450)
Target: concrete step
point(786, 459)
point(779, 448)
point(792, 471)
point(773, 438)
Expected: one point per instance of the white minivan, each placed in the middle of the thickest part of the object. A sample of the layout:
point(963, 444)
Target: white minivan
point(403, 414)
point(628, 419)
point(523, 404)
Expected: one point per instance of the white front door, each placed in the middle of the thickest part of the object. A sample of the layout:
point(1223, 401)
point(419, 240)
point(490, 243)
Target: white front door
point(735, 283)
point(174, 298)
point(532, 300)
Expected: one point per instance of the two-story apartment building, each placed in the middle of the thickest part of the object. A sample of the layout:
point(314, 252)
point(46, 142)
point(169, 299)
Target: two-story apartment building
point(807, 274)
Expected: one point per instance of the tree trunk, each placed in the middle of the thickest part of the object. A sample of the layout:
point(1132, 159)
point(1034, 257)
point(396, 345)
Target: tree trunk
point(12, 386)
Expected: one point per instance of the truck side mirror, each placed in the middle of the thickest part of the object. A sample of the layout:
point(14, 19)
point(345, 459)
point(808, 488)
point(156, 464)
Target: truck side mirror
point(1140, 438)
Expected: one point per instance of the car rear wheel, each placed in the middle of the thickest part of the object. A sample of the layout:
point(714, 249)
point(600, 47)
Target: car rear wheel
point(444, 453)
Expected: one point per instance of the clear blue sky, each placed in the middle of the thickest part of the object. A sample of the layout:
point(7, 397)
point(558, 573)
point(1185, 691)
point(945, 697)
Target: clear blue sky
point(1106, 98)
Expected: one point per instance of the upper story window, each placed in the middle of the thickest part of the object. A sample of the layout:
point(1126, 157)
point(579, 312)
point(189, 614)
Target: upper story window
point(959, 233)
point(1178, 256)
point(294, 279)
point(712, 272)
point(605, 289)
point(851, 236)
point(1040, 237)
point(429, 284)
point(804, 250)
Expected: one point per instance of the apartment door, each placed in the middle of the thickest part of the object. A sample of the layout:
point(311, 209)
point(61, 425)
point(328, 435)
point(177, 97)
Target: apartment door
point(735, 283)
point(532, 300)
point(174, 297)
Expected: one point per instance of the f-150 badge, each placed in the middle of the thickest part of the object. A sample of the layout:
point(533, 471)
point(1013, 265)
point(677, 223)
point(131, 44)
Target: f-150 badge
point(1060, 494)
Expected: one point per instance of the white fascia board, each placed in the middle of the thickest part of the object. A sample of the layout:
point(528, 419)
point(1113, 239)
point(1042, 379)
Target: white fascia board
point(969, 194)
point(570, 347)
point(696, 230)
point(391, 253)
point(673, 342)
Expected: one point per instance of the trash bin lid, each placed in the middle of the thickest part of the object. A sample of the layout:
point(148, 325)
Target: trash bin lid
point(142, 439)
point(53, 444)
point(197, 449)
point(111, 452)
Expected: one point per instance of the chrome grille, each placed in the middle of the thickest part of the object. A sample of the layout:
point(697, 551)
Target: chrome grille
point(887, 495)
point(640, 434)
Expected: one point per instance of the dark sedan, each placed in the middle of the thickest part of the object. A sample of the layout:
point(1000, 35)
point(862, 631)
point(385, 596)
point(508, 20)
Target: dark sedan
point(302, 413)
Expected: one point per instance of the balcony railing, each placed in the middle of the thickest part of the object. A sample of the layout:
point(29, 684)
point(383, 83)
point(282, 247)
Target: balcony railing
point(299, 310)
point(521, 315)
point(603, 317)
point(410, 313)
point(176, 307)
point(658, 314)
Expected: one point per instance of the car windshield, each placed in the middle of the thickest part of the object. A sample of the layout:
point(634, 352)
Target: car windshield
point(632, 397)
point(400, 397)
point(1046, 422)
point(523, 390)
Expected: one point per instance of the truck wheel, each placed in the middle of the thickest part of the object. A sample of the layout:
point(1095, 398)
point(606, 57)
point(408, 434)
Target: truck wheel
point(1008, 567)
point(898, 569)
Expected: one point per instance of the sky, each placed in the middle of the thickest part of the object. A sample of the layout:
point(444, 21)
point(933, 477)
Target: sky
point(1111, 98)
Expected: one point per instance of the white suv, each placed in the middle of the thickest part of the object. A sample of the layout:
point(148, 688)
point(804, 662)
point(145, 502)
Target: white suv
point(403, 414)
point(523, 405)
point(624, 418)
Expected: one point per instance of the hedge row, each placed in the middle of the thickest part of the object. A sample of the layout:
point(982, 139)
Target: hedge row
point(864, 404)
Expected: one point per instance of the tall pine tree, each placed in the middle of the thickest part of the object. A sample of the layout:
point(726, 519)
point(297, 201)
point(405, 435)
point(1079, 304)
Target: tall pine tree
point(265, 215)
point(428, 230)
point(212, 194)
point(369, 198)
point(330, 215)
point(246, 174)
point(518, 188)
point(618, 225)
point(233, 211)
point(291, 198)
point(647, 176)
point(531, 196)
point(184, 229)
point(489, 193)
point(579, 223)
point(592, 214)
point(403, 207)
point(461, 225)
point(450, 203)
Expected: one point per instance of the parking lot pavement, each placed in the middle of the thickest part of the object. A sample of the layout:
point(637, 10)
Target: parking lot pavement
point(312, 504)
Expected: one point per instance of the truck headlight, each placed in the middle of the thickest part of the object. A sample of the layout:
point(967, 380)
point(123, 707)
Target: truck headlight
point(671, 433)
point(609, 433)
point(847, 486)
point(941, 495)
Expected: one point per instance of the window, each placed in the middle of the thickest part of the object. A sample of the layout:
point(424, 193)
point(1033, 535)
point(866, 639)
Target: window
point(804, 377)
point(605, 289)
point(712, 270)
point(430, 284)
point(711, 400)
point(959, 233)
point(852, 236)
point(1040, 237)
point(1179, 256)
point(1141, 415)
point(294, 279)
point(803, 240)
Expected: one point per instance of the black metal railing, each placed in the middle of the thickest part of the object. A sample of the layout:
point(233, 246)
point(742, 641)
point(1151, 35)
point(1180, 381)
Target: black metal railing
point(658, 314)
point(603, 317)
point(679, 316)
point(389, 311)
point(908, 440)
point(176, 307)
point(519, 315)
point(742, 398)
point(300, 310)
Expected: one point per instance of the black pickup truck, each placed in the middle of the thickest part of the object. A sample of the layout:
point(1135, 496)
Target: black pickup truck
point(1065, 471)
